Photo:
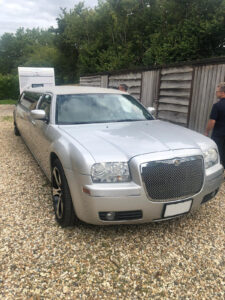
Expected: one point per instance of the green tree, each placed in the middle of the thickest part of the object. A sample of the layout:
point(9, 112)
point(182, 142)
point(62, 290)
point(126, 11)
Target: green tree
point(187, 30)
point(17, 49)
point(9, 87)
point(119, 34)
point(112, 36)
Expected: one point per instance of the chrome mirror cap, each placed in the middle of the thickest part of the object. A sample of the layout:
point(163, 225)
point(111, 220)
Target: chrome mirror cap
point(38, 114)
point(151, 110)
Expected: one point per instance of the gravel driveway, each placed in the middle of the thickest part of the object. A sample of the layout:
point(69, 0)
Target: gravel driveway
point(6, 110)
point(177, 259)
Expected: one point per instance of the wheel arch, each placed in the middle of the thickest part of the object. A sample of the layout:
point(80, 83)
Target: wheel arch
point(53, 157)
point(59, 150)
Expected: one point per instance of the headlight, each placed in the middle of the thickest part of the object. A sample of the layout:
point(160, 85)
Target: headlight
point(210, 157)
point(110, 172)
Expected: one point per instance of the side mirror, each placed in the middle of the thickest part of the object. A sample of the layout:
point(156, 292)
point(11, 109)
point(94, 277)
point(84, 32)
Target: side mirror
point(38, 114)
point(151, 110)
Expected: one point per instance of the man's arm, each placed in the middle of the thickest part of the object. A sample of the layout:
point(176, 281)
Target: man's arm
point(210, 126)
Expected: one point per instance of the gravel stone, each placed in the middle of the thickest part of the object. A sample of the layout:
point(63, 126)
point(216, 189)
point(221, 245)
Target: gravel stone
point(177, 259)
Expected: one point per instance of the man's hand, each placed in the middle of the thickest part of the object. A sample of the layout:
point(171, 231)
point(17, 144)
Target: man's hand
point(210, 126)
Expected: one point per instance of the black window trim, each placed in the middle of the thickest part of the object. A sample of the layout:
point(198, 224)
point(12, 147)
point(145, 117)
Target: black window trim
point(39, 101)
point(22, 96)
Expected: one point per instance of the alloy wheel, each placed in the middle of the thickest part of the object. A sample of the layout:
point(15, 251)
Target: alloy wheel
point(57, 192)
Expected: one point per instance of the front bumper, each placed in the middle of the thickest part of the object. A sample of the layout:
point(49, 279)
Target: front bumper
point(91, 199)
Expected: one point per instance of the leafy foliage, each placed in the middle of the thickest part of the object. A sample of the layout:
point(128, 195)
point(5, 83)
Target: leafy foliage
point(119, 34)
point(122, 34)
point(188, 30)
point(9, 87)
point(16, 50)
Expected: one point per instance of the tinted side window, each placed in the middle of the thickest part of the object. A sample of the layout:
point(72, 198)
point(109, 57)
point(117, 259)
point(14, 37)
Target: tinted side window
point(45, 104)
point(29, 100)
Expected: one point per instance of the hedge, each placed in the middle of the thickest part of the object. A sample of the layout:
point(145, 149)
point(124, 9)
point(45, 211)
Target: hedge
point(9, 87)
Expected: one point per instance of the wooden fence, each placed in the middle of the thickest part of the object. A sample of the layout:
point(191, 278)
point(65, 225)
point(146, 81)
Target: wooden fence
point(181, 94)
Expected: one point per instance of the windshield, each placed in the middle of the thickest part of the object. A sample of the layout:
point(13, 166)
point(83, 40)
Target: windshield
point(99, 108)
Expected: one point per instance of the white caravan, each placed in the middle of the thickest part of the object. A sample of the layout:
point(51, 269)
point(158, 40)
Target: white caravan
point(36, 77)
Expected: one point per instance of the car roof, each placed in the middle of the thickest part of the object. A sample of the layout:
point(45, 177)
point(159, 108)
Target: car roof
point(69, 89)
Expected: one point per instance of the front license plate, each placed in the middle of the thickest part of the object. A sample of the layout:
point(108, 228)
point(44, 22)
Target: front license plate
point(175, 209)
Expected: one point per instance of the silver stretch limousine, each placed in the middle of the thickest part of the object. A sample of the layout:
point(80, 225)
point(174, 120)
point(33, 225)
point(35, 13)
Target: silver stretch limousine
point(109, 161)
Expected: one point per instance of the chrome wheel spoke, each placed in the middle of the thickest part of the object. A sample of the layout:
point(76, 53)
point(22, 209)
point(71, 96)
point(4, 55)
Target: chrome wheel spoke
point(57, 177)
point(59, 208)
point(57, 192)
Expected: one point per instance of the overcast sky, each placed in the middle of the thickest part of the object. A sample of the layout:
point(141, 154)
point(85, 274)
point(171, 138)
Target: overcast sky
point(31, 13)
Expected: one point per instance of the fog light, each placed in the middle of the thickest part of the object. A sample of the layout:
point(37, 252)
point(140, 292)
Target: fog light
point(110, 216)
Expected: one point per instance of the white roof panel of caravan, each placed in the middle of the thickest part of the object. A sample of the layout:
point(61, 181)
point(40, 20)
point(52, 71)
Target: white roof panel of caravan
point(36, 77)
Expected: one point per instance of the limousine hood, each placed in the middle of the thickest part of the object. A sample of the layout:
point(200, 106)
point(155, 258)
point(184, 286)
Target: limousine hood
point(124, 140)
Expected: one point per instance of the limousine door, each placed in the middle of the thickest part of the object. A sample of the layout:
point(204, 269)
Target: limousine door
point(41, 132)
point(27, 102)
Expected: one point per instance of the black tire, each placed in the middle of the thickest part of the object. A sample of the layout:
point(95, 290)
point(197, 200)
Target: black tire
point(62, 201)
point(16, 130)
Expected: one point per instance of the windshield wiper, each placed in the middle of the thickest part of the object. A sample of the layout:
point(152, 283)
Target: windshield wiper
point(105, 121)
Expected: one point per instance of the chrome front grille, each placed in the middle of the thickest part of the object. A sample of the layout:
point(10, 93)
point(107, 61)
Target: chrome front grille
point(174, 178)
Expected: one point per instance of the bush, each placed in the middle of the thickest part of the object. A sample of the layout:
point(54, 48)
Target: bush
point(9, 87)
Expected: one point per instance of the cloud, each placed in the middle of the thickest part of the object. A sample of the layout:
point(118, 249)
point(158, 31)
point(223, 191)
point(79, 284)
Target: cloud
point(30, 13)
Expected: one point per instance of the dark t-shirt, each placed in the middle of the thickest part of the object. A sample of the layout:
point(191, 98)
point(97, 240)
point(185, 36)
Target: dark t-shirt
point(218, 114)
